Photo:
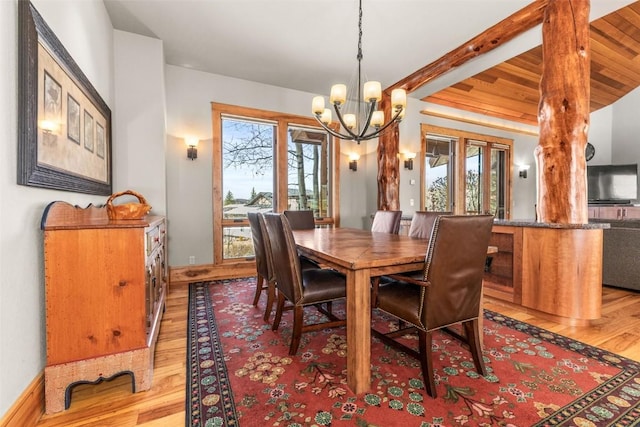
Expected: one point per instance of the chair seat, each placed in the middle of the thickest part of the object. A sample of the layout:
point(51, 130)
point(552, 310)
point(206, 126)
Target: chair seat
point(321, 285)
point(401, 300)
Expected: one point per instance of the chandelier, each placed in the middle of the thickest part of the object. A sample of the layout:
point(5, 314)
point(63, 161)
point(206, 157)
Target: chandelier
point(366, 122)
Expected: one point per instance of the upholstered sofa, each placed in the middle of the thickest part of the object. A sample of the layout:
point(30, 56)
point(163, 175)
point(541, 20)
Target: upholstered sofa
point(621, 254)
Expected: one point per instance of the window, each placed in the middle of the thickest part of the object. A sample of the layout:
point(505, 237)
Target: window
point(478, 181)
point(253, 172)
point(439, 176)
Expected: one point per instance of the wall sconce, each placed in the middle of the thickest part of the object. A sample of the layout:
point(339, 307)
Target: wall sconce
point(353, 161)
point(192, 147)
point(523, 171)
point(408, 163)
point(48, 126)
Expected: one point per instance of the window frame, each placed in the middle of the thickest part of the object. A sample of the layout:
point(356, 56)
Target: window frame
point(282, 121)
point(459, 190)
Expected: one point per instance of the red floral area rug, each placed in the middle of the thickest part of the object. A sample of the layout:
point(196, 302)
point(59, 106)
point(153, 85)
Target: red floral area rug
point(240, 374)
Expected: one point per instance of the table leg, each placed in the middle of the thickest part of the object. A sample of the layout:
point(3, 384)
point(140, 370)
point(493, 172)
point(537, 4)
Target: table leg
point(359, 330)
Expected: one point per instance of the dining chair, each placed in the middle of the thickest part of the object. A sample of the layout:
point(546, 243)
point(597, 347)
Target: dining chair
point(264, 272)
point(300, 220)
point(449, 293)
point(422, 223)
point(265, 278)
point(386, 222)
point(300, 287)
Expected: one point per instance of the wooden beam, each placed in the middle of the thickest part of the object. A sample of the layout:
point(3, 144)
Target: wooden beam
point(563, 113)
point(516, 24)
point(388, 144)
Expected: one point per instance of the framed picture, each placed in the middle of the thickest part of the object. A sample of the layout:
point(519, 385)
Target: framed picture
point(73, 119)
point(64, 139)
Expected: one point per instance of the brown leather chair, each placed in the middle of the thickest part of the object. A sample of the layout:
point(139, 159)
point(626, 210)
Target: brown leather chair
point(449, 293)
point(422, 223)
point(265, 279)
point(300, 287)
point(300, 220)
point(386, 222)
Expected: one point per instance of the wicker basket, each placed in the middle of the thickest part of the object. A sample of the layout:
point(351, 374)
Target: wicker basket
point(127, 210)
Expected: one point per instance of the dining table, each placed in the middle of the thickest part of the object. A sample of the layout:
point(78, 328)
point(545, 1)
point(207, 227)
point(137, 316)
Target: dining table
point(360, 255)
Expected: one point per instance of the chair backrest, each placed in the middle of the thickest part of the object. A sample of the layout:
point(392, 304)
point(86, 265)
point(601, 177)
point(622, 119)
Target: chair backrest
point(454, 265)
point(386, 222)
point(262, 252)
point(422, 223)
point(300, 220)
point(286, 262)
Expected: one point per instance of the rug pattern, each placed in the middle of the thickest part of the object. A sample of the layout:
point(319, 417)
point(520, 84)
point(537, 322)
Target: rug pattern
point(240, 374)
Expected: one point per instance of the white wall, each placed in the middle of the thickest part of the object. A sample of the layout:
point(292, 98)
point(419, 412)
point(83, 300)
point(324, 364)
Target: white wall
point(626, 129)
point(189, 97)
point(84, 29)
point(139, 119)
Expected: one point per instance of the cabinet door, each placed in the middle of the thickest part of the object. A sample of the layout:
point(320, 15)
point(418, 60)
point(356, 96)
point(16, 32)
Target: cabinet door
point(632, 212)
point(610, 212)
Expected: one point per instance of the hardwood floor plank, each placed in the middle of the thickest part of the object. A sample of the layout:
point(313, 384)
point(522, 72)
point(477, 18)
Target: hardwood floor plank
point(112, 403)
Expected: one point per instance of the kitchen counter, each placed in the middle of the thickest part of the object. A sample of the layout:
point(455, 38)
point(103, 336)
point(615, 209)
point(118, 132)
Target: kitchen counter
point(553, 269)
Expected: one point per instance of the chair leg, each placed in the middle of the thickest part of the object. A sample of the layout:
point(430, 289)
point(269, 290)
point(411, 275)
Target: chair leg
point(426, 360)
point(279, 309)
point(472, 332)
point(297, 329)
point(271, 297)
point(259, 286)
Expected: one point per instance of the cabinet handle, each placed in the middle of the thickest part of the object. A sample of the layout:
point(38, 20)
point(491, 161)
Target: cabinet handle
point(122, 283)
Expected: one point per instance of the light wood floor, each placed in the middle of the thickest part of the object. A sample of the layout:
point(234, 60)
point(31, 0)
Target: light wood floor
point(113, 404)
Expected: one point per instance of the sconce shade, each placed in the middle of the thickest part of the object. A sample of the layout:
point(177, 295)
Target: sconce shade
point(192, 147)
point(408, 164)
point(353, 165)
point(523, 171)
point(192, 152)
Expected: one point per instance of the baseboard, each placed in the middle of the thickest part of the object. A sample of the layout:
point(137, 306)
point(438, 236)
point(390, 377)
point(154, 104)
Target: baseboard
point(201, 273)
point(28, 409)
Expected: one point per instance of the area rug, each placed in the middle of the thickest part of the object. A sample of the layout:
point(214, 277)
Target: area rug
point(240, 374)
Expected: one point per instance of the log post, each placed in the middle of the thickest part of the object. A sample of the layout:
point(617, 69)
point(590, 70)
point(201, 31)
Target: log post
point(388, 163)
point(563, 113)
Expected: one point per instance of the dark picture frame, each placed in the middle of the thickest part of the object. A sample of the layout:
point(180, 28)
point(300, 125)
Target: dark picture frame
point(57, 149)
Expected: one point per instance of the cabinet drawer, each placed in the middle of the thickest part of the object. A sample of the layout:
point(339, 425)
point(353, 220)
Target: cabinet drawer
point(155, 237)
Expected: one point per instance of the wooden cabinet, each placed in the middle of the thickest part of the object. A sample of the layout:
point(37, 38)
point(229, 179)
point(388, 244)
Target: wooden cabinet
point(614, 212)
point(554, 270)
point(503, 269)
point(105, 285)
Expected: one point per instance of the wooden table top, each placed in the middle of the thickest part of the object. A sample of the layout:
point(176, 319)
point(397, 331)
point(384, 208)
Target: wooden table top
point(358, 249)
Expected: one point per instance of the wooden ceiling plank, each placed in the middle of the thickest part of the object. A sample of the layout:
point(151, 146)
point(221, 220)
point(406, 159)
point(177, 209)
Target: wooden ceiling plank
point(498, 103)
point(508, 90)
point(514, 116)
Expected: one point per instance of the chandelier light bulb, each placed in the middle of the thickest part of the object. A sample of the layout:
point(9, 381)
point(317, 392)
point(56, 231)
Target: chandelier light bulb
point(372, 91)
point(317, 106)
point(338, 94)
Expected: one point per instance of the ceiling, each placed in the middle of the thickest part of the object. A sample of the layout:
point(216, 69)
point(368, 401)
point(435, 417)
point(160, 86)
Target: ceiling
point(308, 45)
point(510, 90)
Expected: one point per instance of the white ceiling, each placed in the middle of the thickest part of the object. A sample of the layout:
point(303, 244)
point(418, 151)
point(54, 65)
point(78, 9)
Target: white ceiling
point(309, 45)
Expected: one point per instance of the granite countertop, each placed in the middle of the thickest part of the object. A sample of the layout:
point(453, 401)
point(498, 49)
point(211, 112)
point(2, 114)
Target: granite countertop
point(533, 223)
point(594, 224)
